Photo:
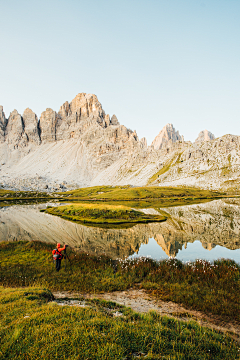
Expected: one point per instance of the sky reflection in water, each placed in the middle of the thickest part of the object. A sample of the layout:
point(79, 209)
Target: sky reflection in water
point(192, 252)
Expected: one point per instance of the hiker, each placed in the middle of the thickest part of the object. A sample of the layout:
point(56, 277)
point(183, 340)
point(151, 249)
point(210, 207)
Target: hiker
point(57, 255)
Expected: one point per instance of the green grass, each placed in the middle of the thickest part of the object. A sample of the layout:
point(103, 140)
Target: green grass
point(10, 195)
point(33, 327)
point(135, 196)
point(127, 193)
point(162, 171)
point(211, 288)
point(102, 214)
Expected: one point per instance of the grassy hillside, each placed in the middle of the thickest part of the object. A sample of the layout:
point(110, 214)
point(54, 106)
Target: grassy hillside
point(102, 214)
point(9, 194)
point(33, 327)
point(211, 288)
point(162, 171)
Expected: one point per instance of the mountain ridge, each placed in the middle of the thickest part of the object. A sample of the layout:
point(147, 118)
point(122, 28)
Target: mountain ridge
point(82, 146)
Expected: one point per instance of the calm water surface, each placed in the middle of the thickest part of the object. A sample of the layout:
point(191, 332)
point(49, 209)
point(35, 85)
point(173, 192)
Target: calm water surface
point(207, 231)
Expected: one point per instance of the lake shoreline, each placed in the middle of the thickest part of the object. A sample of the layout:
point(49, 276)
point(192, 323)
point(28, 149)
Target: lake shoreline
point(200, 285)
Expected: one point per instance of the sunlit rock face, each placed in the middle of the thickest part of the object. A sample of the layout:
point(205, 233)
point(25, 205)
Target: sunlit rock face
point(31, 126)
point(74, 145)
point(75, 117)
point(47, 124)
point(167, 136)
point(213, 223)
point(14, 132)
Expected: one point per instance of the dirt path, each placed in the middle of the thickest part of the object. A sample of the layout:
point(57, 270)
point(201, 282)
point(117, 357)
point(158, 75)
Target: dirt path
point(142, 302)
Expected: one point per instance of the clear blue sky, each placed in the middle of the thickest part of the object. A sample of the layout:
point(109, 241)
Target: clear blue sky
point(150, 62)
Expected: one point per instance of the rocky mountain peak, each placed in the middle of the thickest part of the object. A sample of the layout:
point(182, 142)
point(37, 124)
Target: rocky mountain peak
point(205, 135)
point(47, 124)
point(167, 136)
point(73, 119)
point(143, 143)
point(31, 126)
point(85, 105)
point(15, 129)
point(114, 120)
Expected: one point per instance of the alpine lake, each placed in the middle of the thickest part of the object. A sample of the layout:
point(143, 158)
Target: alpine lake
point(207, 230)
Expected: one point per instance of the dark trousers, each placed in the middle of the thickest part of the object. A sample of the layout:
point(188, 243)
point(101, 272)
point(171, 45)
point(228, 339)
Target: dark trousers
point(58, 264)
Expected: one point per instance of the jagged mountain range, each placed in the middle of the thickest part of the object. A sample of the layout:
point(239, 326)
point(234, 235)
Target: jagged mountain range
point(81, 145)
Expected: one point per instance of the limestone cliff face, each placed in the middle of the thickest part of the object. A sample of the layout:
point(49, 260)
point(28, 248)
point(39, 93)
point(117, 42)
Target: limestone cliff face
point(114, 120)
point(73, 145)
point(47, 125)
point(72, 120)
point(166, 137)
point(143, 143)
point(71, 116)
point(14, 133)
point(31, 126)
point(205, 135)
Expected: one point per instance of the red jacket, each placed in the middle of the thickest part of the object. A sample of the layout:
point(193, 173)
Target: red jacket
point(57, 253)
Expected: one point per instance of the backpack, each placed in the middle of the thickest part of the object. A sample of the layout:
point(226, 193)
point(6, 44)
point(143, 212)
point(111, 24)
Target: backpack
point(57, 255)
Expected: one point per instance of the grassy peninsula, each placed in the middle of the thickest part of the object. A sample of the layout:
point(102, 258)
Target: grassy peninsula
point(103, 214)
point(33, 327)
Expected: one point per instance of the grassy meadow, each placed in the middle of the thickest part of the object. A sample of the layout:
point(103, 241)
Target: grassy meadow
point(138, 197)
point(18, 195)
point(209, 287)
point(128, 193)
point(102, 214)
point(32, 327)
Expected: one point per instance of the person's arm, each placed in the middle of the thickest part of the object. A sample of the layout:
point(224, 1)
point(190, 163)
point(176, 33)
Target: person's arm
point(62, 248)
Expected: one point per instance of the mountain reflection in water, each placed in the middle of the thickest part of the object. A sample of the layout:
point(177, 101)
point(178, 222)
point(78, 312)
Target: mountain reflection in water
point(216, 223)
